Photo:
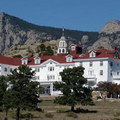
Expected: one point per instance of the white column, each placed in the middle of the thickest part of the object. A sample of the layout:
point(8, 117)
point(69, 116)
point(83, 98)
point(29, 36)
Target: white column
point(51, 89)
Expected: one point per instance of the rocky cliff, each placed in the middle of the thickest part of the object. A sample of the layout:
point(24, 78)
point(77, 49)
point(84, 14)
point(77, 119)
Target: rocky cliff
point(15, 31)
point(109, 36)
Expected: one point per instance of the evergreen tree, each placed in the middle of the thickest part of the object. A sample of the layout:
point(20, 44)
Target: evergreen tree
point(3, 86)
point(73, 88)
point(49, 51)
point(22, 89)
point(42, 47)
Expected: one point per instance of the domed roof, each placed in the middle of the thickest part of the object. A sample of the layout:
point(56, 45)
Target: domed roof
point(62, 38)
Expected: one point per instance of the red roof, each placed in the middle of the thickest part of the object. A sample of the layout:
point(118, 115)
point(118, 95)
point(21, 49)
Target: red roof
point(17, 61)
point(103, 53)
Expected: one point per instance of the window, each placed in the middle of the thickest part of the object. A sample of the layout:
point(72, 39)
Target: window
point(50, 77)
point(90, 72)
point(90, 64)
point(37, 60)
point(111, 64)
point(10, 69)
point(37, 69)
point(69, 59)
point(92, 54)
point(101, 72)
point(73, 48)
point(50, 68)
point(37, 77)
point(5, 69)
point(101, 63)
point(24, 61)
point(111, 72)
point(81, 64)
point(63, 44)
point(60, 43)
point(118, 73)
point(59, 50)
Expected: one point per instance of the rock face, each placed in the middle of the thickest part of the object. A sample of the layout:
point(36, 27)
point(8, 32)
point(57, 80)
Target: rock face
point(109, 36)
point(12, 33)
point(84, 39)
point(15, 31)
point(111, 27)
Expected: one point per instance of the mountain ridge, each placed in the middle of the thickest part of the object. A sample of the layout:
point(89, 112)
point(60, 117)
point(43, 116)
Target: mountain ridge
point(15, 31)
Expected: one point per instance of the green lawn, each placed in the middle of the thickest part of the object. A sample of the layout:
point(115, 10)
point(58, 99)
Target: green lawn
point(51, 111)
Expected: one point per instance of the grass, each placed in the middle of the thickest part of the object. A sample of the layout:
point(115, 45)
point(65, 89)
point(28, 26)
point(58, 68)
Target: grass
point(51, 111)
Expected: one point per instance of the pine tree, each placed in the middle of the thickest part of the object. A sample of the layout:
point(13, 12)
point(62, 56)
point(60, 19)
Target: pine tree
point(3, 87)
point(23, 90)
point(73, 88)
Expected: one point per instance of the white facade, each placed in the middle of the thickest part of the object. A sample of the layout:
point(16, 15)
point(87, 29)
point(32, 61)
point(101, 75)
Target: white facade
point(102, 65)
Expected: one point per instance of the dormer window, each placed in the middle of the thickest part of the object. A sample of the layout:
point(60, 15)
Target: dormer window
point(72, 48)
point(92, 54)
point(69, 58)
point(37, 60)
point(24, 61)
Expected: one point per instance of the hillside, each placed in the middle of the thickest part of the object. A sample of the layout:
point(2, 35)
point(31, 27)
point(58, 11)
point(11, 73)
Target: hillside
point(15, 31)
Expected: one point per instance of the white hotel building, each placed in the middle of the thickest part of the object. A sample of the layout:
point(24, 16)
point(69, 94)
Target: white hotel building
point(101, 65)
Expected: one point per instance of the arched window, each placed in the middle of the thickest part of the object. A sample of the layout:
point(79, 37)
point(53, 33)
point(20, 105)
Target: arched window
point(60, 44)
point(59, 50)
point(63, 44)
point(63, 50)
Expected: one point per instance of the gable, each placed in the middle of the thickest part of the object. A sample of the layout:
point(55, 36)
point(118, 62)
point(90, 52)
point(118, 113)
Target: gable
point(92, 54)
point(50, 61)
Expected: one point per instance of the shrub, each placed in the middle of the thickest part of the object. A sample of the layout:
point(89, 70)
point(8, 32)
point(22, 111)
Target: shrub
point(115, 119)
point(17, 56)
point(72, 114)
point(27, 115)
point(5, 118)
point(16, 48)
point(117, 114)
point(40, 110)
point(60, 111)
point(49, 115)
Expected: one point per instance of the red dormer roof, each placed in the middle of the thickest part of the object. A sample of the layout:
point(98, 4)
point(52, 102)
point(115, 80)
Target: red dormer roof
point(103, 53)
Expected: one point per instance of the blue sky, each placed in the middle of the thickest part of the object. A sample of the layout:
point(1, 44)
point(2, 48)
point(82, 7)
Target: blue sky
point(84, 15)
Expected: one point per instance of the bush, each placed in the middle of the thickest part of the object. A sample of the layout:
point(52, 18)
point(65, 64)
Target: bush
point(117, 114)
point(40, 110)
point(72, 114)
point(6, 118)
point(99, 97)
point(17, 56)
point(115, 119)
point(16, 48)
point(49, 115)
point(27, 115)
point(60, 111)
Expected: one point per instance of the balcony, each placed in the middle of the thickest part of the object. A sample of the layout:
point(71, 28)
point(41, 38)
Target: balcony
point(90, 77)
point(116, 77)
